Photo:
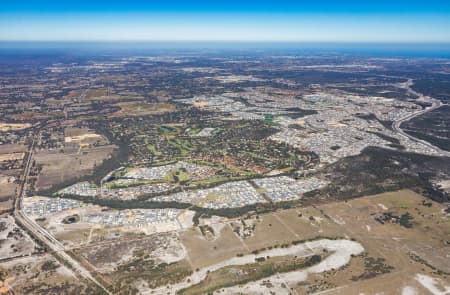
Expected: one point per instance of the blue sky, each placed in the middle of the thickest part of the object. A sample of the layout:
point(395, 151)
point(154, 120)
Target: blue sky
point(281, 20)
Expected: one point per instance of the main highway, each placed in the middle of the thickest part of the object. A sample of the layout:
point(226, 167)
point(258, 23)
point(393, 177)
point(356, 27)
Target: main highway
point(39, 233)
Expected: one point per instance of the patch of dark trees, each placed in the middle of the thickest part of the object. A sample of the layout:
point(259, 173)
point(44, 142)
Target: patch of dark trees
point(433, 127)
point(377, 170)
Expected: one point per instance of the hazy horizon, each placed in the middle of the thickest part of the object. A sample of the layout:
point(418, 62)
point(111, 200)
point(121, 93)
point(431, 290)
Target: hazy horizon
point(438, 50)
point(257, 21)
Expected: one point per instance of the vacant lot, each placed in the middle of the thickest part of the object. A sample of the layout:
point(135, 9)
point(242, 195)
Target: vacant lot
point(83, 137)
point(269, 232)
point(142, 108)
point(14, 242)
point(203, 252)
point(417, 246)
point(164, 247)
point(412, 240)
point(10, 174)
point(7, 193)
point(40, 274)
point(11, 157)
point(12, 148)
point(13, 126)
point(66, 165)
point(427, 234)
point(93, 94)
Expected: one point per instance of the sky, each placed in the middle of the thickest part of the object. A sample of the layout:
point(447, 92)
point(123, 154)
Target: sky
point(397, 21)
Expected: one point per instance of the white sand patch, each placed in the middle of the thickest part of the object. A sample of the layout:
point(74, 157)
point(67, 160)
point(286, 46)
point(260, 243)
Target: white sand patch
point(186, 218)
point(217, 228)
point(338, 220)
point(382, 206)
point(216, 222)
point(433, 285)
point(64, 271)
point(318, 219)
point(79, 138)
point(274, 172)
point(408, 290)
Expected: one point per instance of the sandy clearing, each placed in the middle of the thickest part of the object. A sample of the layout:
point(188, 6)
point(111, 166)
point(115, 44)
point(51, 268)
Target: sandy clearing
point(14, 241)
point(11, 157)
point(13, 126)
point(165, 248)
point(79, 138)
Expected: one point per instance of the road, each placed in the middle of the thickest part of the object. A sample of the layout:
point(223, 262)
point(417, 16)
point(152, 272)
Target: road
point(57, 249)
point(435, 104)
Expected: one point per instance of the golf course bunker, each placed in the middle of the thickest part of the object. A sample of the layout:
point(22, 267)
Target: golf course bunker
point(340, 253)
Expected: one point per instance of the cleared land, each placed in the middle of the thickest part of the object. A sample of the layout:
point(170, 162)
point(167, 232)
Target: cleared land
point(203, 252)
point(13, 126)
point(40, 275)
point(395, 251)
point(141, 108)
point(68, 165)
point(14, 242)
point(11, 157)
point(7, 192)
point(403, 235)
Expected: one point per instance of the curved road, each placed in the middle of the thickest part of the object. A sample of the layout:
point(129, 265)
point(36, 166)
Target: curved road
point(435, 104)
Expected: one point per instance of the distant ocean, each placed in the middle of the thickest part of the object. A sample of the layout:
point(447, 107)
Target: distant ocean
point(425, 50)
